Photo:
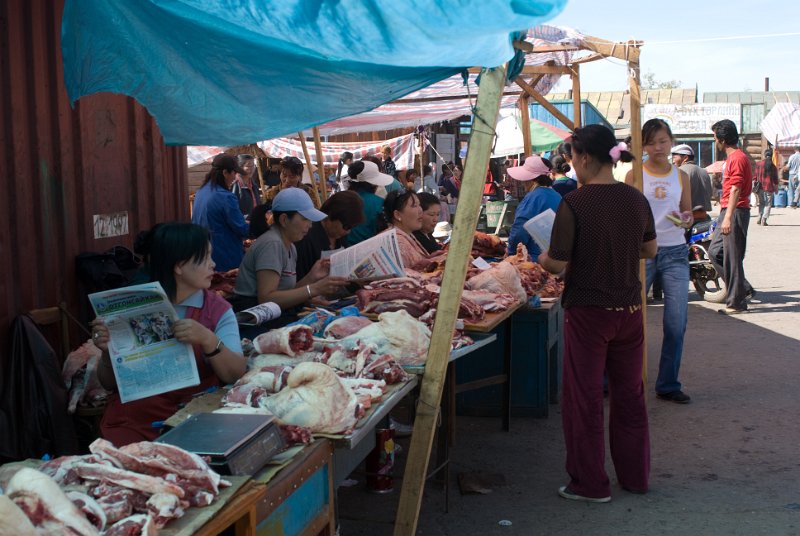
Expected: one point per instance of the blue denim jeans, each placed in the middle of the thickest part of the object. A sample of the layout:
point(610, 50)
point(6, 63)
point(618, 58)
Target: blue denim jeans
point(671, 266)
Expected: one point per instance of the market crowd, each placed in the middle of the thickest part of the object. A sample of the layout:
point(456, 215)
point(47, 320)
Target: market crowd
point(277, 242)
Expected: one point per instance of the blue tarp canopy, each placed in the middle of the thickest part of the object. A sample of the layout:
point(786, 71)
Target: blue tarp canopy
point(228, 72)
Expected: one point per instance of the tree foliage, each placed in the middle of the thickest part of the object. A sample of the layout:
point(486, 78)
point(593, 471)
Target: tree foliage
point(649, 81)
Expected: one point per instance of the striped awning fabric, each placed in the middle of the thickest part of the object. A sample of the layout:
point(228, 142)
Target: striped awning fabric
point(782, 125)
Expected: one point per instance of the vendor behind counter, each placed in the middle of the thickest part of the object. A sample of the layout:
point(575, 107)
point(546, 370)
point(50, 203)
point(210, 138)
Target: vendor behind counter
point(268, 272)
point(365, 178)
point(345, 210)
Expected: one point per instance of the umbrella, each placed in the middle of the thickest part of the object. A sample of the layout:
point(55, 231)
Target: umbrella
point(544, 137)
point(716, 167)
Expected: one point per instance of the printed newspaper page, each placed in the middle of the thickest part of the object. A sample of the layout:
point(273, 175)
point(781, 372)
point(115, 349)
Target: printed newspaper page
point(146, 358)
point(376, 258)
point(540, 227)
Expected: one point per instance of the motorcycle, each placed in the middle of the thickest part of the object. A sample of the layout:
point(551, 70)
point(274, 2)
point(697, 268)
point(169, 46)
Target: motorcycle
point(707, 282)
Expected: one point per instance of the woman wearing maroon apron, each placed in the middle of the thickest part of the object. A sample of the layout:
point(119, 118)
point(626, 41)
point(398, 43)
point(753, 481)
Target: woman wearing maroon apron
point(180, 259)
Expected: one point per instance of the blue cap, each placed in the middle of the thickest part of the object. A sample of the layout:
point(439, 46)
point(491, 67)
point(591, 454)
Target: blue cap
point(297, 200)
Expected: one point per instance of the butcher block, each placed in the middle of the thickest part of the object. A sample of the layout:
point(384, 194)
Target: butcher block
point(237, 444)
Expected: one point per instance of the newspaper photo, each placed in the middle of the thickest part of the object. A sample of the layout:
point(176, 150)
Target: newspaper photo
point(376, 258)
point(260, 314)
point(146, 358)
point(540, 227)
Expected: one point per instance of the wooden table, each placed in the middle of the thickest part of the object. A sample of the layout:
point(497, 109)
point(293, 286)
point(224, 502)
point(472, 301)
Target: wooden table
point(240, 513)
point(299, 500)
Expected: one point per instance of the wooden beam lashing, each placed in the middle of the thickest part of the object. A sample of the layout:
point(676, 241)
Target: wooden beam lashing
point(309, 166)
point(545, 103)
point(627, 51)
point(466, 219)
point(323, 183)
point(576, 96)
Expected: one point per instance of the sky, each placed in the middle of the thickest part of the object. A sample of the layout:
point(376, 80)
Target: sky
point(674, 49)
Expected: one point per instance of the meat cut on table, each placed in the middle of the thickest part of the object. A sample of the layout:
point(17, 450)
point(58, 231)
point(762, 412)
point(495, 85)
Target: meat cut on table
point(289, 340)
point(46, 505)
point(345, 326)
point(315, 398)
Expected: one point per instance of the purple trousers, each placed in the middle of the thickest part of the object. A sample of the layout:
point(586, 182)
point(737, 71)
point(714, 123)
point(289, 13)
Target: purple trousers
point(597, 340)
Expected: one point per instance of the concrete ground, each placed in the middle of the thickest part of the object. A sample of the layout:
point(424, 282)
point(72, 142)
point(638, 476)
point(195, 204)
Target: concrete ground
point(728, 463)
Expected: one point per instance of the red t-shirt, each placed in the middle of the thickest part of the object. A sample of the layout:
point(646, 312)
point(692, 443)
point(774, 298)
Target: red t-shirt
point(738, 172)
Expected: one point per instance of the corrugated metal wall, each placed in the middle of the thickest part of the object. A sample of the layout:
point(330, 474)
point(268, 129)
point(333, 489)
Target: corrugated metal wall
point(62, 166)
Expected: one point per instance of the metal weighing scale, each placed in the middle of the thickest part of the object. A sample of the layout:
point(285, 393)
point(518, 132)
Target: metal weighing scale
point(237, 444)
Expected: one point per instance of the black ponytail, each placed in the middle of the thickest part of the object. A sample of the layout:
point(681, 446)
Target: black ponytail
point(597, 141)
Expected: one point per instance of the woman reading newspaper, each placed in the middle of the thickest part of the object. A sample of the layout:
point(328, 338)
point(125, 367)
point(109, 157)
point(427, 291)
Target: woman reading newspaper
point(269, 270)
point(180, 259)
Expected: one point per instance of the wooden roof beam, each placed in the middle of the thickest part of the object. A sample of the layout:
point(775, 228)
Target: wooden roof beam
point(447, 98)
point(625, 51)
point(545, 103)
point(536, 69)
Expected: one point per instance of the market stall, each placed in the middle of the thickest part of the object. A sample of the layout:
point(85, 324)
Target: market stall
point(246, 113)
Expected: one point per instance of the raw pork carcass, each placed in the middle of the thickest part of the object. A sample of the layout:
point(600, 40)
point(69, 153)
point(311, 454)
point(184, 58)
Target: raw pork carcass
point(172, 463)
point(490, 301)
point(366, 391)
point(487, 245)
point(80, 377)
point(397, 334)
point(90, 508)
point(289, 340)
point(135, 525)
point(267, 379)
point(281, 360)
point(315, 398)
point(46, 506)
point(127, 479)
point(163, 507)
point(117, 502)
point(345, 326)
point(502, 278)
point(396, 294)
point(13, 521)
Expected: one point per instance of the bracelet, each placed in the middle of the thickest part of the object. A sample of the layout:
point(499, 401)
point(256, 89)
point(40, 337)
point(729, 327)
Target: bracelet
point(216, 350)
point(308, 289)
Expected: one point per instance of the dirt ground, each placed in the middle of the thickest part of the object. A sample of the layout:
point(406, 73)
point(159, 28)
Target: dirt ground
point(725, 464)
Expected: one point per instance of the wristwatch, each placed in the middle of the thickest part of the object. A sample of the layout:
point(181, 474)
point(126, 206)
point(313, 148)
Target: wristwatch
point(216, 349)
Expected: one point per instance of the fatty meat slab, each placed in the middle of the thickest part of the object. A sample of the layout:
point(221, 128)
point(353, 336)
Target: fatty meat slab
point(345, 326)
point(46, 506)
point(13, 521)
point(189, 471)
point(135, 525)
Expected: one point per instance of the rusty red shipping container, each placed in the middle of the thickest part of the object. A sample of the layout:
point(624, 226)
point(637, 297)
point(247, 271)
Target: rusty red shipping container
point(63, 165)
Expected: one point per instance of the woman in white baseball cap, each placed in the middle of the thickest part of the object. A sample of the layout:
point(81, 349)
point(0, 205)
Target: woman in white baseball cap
point(365, 178)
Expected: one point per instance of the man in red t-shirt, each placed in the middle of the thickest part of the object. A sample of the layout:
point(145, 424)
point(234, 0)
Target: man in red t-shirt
point(729, 242)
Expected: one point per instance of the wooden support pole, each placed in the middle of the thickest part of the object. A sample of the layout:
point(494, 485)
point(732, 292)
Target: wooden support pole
point(525, 112)
point(576, 96)
point(323, 186)
point(466, 219)
point(545, 103)
point(260, 174)
point(309, 167)
point(636, 148)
